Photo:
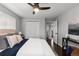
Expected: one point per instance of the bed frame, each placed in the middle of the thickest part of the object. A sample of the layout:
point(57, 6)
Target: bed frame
point(6, 31)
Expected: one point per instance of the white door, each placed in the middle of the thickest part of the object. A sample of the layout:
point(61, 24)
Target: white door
point(32, 29)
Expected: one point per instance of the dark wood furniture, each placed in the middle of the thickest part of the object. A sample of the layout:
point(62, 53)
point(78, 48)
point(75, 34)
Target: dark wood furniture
point(65, 44)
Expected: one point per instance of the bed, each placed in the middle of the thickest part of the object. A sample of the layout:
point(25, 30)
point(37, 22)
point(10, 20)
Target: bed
point(13, 51)
point(35, 47)
point(29, 47)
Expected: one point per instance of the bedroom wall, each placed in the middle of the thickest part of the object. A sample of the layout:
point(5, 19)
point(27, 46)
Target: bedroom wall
point(12, 14)
point(42, 26)
point(6, 21)
point(64, 20)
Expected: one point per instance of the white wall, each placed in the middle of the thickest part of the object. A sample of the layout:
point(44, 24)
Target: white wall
point(7, 22)
point(62, 29)
point(42, 26)
point(11, 14)
point(64, 20)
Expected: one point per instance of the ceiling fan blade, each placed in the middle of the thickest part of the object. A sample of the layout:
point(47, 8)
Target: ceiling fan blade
point(44, 8)
point(36, 4)
point(30, 4)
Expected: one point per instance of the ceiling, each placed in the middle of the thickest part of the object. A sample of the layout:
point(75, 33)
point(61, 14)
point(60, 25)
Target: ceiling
point(25, 10)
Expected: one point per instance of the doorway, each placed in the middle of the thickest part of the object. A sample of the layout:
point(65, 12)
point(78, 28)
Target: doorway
point(51, 32)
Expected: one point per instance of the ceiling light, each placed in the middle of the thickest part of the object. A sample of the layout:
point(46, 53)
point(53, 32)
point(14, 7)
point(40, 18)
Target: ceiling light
point(36, 10)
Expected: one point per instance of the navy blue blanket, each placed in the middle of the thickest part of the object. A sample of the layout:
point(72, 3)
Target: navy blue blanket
point(13, 51)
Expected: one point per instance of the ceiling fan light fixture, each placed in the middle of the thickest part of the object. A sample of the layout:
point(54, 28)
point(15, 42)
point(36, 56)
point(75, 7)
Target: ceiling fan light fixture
point(36, 10)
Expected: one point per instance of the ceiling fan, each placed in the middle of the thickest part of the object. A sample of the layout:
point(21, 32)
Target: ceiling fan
point(36, 7)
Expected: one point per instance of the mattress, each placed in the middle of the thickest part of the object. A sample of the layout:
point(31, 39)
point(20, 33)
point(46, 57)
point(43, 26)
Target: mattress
point(35, 47)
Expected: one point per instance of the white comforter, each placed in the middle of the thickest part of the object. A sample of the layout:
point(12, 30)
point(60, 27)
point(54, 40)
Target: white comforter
point(35, 47)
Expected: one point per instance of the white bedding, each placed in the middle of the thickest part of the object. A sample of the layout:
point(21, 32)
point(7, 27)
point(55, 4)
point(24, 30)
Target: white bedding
point(35, 47)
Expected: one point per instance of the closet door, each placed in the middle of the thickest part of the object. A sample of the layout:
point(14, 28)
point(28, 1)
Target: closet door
point(32, 29)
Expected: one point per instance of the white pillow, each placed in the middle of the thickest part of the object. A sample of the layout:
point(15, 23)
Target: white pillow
point(19, 38)
point(12, 40)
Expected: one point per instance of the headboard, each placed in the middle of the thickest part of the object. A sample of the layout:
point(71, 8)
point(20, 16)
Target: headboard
point(6, 31)
point(3, 33)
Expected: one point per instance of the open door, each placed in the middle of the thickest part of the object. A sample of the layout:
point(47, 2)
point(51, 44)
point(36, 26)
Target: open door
point(52, 32)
